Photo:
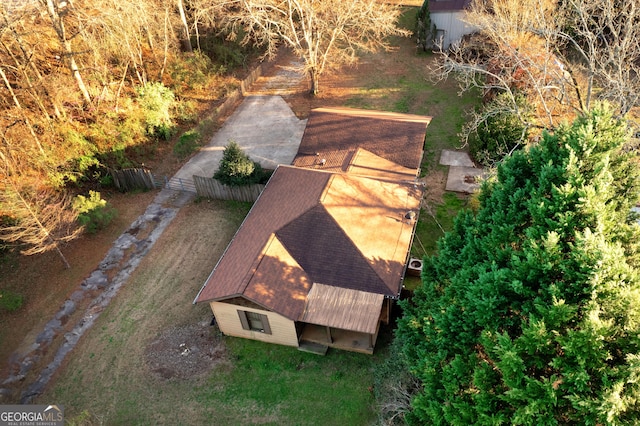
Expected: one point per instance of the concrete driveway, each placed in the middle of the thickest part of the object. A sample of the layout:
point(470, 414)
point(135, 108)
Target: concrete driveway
point(264, 127)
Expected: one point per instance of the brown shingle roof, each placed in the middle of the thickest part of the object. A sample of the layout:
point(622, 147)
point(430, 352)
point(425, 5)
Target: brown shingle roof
point(327, 254)
point(279, 203)
point(315, 227)
point(356, 161)
point(276, 263)
point(398, 138)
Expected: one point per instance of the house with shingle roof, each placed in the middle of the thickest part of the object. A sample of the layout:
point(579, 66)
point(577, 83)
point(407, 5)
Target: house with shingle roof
point(321, 256)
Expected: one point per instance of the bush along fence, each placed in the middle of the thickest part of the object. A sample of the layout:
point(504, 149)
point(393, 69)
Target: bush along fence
point(212, 188)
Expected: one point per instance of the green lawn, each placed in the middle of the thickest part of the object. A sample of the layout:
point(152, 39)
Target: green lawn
point(434, 222)
point(281, 385)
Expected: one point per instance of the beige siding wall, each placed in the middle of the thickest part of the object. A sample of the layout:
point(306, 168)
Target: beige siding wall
point(283, 330)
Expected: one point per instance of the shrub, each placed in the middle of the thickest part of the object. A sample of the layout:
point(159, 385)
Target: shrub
point(192, 72)
point(186, 111)
point(106, 180)
point(157, 101)
point(93, 212)
point(187, 143)
point(237, 169)
point(394, 387)
point(501, 133)
point(425, 29)
point(223, 50)
point(10, 301)
point(74, 156)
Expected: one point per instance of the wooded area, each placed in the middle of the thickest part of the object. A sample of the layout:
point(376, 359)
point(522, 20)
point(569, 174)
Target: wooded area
point(92, 85)
point(99, 84)
point(544, 62)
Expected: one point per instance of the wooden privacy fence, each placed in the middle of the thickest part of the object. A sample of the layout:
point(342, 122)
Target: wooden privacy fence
point(140, 178)
point(136, 178)
point(212, 188)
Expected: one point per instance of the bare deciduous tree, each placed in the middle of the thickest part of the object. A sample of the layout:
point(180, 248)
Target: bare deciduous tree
point(561, 55)
point(323, 33)
point(37, 220)
point(605, 35)
point(208, 14)
point(186, 40)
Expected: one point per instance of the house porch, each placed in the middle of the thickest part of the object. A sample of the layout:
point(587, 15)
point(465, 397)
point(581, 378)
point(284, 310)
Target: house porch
point(338, 339)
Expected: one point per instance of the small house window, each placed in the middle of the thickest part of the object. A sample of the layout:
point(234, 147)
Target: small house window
point(254, 321)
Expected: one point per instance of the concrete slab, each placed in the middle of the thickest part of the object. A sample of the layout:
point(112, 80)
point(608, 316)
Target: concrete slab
point(463, 179)
point(265, 128)
point(455, 158)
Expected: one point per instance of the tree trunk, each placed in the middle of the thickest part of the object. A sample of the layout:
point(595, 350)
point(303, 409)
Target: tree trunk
point(186, 41)
point(28, 63)
point(62, 256)
point(19, 106)
point(314, 77)
point(27, 79)
point(58, 26)
point(75, 71)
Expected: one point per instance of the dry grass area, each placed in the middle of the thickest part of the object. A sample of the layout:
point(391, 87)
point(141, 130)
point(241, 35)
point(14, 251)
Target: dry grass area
point(112, 373)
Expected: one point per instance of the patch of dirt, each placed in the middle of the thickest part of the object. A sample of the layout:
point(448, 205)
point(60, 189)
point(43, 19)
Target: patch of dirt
point(435, 183)
point(185, 352)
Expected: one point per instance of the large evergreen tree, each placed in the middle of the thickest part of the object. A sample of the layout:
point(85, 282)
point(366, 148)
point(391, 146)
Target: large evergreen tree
point(530, 312)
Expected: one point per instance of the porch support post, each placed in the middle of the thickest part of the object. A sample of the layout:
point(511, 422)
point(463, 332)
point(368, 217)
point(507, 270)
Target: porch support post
point(329, 338)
